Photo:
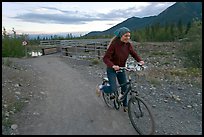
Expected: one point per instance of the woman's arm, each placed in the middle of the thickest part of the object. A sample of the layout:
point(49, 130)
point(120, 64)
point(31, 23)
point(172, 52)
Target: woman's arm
point(134, 54)
point(108, 56)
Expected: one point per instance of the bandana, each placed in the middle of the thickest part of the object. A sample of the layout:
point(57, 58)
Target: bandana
point(121, 31)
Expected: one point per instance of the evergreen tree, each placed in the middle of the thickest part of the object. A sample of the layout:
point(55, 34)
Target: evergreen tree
point(188, 27)
point(180, 29)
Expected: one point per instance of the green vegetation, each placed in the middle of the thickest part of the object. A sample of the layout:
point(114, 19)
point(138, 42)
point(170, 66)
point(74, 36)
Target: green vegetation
point(7, 62)
point(13, 107)
point(12, 45)
point(154, 81)
point(185, 72)
point(192, 46)
point(190, 37)
point(95, 61)
point(159, 53)
point(7, 122)
point(161, 33)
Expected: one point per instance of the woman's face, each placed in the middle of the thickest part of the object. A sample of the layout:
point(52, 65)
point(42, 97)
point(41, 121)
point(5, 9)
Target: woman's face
point(126, 37)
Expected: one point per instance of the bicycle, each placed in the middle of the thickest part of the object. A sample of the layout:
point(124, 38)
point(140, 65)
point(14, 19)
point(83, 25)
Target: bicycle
point(139, 112)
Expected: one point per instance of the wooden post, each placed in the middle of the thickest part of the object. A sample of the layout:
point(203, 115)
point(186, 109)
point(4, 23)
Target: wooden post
point(66, 51)
point(75, 50)
point(95, 50)
point(99, 52)
point(43, 51)
point(85, 50)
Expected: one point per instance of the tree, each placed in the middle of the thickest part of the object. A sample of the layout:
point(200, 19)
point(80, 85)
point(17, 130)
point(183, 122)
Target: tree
point(180, 28)
point(193, 47)
point(166, 27)
point(14, 33)
point(188, 26)
point(172, 31)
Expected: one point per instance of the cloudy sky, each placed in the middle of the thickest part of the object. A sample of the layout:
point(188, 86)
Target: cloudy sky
point(73, 17)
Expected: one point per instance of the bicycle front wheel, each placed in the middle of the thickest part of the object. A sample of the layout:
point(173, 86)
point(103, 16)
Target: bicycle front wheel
point(141, 116)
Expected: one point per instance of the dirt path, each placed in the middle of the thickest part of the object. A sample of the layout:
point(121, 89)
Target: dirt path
point(70, 105)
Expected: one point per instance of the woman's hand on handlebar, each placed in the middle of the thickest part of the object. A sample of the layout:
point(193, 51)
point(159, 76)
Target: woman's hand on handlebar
point(141, 63)
point(116, 67)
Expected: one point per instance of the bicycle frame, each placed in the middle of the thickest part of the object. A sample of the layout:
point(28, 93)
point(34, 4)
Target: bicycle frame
point(129, 89)
point(129, 83)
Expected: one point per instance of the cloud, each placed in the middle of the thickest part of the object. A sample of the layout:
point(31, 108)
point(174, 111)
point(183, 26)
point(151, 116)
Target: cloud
point(54, 15)
point(58, 16)
point(152, 9)
point(53, 18)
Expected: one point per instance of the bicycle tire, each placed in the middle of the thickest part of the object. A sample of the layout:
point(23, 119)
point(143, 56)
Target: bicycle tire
point(116, 104)
point(106, 98)
point(143, 124)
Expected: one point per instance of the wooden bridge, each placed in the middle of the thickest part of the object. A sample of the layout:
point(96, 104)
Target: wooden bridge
point(82, 48)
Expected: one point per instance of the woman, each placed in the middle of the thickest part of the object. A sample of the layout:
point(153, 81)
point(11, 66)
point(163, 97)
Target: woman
point(115, 57)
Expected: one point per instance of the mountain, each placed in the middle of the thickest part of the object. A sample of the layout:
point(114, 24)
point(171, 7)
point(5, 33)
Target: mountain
point(184, 11)
point(180, 11)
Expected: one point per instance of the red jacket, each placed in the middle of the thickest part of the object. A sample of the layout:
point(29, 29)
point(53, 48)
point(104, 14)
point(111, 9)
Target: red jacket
point(118, 52)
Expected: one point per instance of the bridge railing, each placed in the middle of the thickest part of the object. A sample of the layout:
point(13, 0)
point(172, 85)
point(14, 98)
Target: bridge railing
point(96, 51)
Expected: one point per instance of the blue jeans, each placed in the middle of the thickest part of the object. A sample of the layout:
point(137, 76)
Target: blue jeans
point(121, 77)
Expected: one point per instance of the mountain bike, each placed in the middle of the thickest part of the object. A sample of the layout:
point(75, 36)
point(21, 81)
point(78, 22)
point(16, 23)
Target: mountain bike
point(139, 112)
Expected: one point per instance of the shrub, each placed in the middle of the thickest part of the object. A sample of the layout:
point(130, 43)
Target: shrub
point(12, 45)
point(95, 61)
point(192, 48)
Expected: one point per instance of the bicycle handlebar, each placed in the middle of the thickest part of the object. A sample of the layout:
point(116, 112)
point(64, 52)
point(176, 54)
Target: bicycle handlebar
point(138, 67)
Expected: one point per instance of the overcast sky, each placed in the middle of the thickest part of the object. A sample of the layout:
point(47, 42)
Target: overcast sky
point(73, 17)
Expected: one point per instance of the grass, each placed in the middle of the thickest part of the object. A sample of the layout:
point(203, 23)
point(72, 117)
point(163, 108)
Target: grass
point(178, 72)
point(154, 81)
point(7, 62)
point(7, 122)
point(159, 53)
point(187, 75)
point(12, 108)
point(166, 63)
point(185, 72)
point(95, 61)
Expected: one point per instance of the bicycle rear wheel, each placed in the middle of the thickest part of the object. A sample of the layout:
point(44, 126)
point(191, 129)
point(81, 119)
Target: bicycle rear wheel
point(116, 104)
point(109, 102)
point(106, 97)
point(141, 116)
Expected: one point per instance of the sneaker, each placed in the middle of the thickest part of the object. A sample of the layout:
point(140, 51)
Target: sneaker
point(125, 109)
point(98, 90)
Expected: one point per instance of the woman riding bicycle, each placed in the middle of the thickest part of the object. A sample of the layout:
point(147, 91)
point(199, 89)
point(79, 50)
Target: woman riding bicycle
point(115, 57)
